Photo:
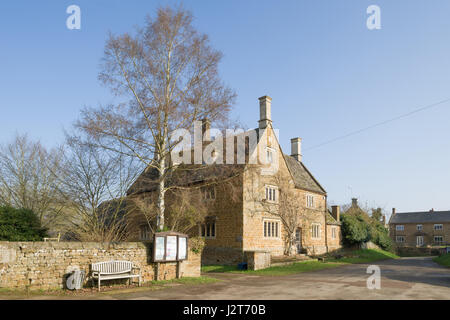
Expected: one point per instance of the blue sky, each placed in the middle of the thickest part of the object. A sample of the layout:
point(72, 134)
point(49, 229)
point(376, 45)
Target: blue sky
point(327, 73)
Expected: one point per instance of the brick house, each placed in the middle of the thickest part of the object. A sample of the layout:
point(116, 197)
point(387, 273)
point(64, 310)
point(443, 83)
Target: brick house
point(241, 223)
point(420, 229)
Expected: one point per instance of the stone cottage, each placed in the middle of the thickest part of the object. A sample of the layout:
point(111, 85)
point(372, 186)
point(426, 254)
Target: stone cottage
point(420, 229)
point(251, 206)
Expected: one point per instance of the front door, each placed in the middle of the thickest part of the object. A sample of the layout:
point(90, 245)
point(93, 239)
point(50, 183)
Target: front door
point(298, 240)
point(419, 241)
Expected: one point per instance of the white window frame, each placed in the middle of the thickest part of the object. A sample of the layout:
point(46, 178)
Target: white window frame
point(310, 201)
point(400, 227)
point(333, 232)
point(319, 231)
point(441, 241)
point(422, 241)
point(271, 193)
point(400, 239)
point(419, 227)
point(270, 153)
point(271, 226)
point(438, 227)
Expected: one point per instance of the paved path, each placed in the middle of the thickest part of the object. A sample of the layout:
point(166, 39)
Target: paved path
point(406, 278)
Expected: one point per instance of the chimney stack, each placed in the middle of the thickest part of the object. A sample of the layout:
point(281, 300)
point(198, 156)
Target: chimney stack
point(264, 112)
point(336, 212)
point(206, 130)
point(432, 210)
point(393, 211)
point(296, 149)
point(354, 202)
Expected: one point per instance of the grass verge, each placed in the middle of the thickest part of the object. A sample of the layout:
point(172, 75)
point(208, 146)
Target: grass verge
point(443, 260)
point(353, 257)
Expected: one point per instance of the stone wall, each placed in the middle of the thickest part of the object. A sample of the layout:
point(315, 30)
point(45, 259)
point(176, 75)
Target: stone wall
point(222, 255)
point(258, 259)
point(45, 265)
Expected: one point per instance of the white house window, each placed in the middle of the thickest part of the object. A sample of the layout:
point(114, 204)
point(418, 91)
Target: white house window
point(271, 193)
point(400, 227)
point(419, 227)
point(209, 193)
point(208, 230)
point(333, 233)
point(271, 229)
point(438, 239)
point(310, 201)
point(400, 239)
point(144, 232)
point(315, 231)
point(270, 153)
point(438, 227)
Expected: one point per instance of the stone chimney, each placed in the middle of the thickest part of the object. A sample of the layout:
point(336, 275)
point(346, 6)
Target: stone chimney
point(264, 112)
point(354, 202)
point(296, 148)
point(206, 130)
point(393, 211)
point(336, 212)
point(383, 219)
point(432, 210)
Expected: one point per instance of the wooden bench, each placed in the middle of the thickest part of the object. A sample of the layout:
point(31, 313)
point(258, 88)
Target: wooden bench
point(110, 270)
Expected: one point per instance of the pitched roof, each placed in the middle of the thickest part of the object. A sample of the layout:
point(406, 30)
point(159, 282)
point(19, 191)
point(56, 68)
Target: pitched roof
point(303, 179)
point(421, 217)
point(331, 220)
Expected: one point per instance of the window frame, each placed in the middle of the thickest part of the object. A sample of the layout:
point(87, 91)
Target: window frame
point(438, 242)
point(319, 231)
point(147, 232)
point(308, 202)
point(271, 191)
point(208, 230)
point(333, 233)
point(438, 225)
point(271, 226)
point(419, 227)
point(400, 237)
point(399, 227)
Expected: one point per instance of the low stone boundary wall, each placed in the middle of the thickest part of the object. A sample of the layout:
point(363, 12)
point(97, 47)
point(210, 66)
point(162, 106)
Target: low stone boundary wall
point(257, 259)
point(45, 265)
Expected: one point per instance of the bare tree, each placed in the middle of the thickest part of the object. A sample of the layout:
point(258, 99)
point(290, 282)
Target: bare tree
point(287, 207)
point(168, 75)
point(28, 180)
point(96, 182)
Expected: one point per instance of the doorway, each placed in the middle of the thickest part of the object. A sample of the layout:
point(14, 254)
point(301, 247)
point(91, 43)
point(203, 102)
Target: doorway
point(298, 240)
point(419, 241)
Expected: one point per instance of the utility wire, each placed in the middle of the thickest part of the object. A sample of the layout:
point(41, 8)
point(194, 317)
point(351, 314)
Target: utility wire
point(379, 124)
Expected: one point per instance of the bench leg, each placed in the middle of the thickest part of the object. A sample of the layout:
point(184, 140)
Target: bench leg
point(98, 283)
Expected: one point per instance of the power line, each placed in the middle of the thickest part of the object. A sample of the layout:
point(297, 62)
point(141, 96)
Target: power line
point(379, 124)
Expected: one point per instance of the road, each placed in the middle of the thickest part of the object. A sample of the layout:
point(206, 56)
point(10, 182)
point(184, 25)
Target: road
point(405, 278)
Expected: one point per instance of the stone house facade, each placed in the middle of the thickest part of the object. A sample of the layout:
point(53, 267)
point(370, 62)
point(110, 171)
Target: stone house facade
point(250, 218)
point(420, 229)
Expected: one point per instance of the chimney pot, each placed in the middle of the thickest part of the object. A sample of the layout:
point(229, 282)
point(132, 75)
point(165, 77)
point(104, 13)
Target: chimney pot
point(336, 212)
point(354, 202)
point(265, 119)
point(296, 148)
point(393, 211)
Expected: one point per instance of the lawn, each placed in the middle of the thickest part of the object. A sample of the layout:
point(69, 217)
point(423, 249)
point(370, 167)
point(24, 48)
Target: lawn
point(443, 260)
point(358, 256)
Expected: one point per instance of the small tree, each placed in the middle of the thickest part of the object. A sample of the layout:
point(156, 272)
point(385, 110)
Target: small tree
point(355, 229)
point(20, 225)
